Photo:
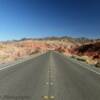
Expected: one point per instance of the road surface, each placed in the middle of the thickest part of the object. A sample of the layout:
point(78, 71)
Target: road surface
point(50, 74)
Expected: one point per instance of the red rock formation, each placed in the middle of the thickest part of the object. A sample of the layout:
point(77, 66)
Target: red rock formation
point(91, 50)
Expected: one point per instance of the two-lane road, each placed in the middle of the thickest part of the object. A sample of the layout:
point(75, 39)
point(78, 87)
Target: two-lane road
point(49, 74)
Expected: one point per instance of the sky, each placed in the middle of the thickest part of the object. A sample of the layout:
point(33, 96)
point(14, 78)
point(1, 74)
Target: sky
point(43, 18)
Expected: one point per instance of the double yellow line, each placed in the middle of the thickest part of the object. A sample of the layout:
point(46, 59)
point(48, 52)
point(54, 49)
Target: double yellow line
point(48, 97)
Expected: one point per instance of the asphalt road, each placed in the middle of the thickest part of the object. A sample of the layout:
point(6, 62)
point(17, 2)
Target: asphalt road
point(50, 74)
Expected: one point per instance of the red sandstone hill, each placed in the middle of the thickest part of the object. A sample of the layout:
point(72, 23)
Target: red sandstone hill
point(13, 50)
point(91, 49)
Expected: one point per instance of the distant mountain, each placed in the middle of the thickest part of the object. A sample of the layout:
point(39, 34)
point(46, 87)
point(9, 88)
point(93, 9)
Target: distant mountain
point(81, 40)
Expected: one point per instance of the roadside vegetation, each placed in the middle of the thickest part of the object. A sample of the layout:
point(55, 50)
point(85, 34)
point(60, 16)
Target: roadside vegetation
point(97, 64)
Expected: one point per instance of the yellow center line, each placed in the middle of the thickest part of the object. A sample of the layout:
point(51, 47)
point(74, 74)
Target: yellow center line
point(48, 97)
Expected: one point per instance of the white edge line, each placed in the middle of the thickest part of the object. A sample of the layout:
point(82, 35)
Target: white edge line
point(19, 62)
point(98, 73)
point(92, 70)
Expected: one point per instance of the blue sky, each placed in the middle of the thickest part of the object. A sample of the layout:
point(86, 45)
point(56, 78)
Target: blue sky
point(42, 18)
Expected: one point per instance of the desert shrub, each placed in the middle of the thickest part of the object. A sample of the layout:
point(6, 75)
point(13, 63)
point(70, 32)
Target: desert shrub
point(80, 59)
point(97, 65)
